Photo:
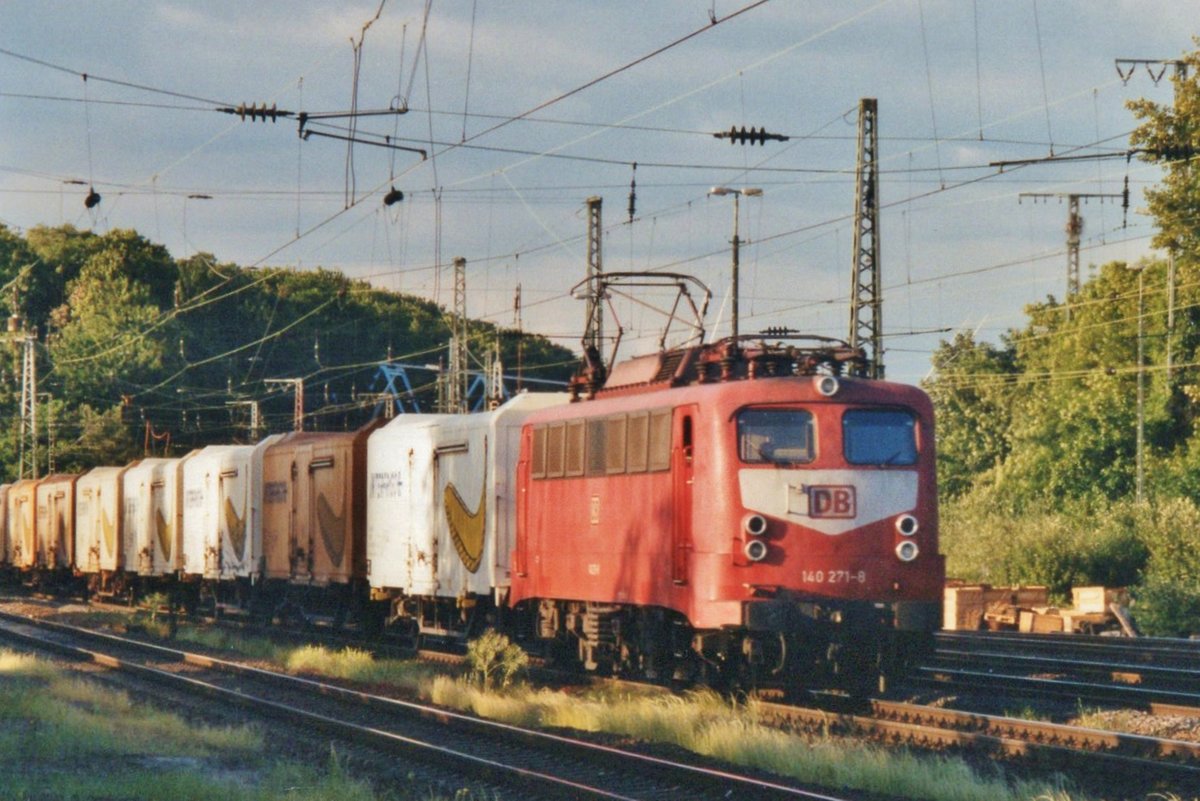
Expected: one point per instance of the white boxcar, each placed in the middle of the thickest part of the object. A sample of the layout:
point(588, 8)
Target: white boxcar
point(441, 506)
point(153, 524)
point(21, 524)
point(98, 511)
point(222, 511)
point(56, 521)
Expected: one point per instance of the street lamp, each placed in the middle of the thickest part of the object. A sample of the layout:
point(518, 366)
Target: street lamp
point(737, 195)
point(1140, 464)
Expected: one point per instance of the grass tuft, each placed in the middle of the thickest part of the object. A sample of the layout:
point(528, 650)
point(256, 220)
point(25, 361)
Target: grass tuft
point(704, 723)
point(353, 664)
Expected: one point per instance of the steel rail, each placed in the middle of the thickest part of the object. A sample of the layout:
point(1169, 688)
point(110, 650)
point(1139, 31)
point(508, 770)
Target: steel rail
point(1147, 676)
point(1047, 743)
point(1158, 651)
point(1162, 702)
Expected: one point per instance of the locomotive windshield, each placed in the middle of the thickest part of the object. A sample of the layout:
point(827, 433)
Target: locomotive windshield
point(879, 436)
point(775, 436)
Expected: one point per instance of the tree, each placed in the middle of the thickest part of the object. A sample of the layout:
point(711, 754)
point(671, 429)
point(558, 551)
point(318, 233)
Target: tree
point(16, 259)
point(58, 256)
point(971, 388)
point(88, 437)
point(1170, 135)
point(113, 338)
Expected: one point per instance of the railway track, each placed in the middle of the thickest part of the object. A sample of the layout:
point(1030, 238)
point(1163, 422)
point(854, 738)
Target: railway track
point(1157, 675)
point(520, 761)
point(1161, 651)
point(1136, 763)
point(1144, 764)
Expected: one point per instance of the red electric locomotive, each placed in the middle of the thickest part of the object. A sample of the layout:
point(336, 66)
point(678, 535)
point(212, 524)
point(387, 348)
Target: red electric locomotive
point(738, 512)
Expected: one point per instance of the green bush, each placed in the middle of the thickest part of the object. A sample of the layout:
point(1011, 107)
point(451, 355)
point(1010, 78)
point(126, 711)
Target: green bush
point(1167, 599)
point(1080, 546)
point(492, 656)
point(1166, 608)
point(1152, 548)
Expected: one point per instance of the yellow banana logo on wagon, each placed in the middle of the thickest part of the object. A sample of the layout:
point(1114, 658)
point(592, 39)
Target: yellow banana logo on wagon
point(467, 527)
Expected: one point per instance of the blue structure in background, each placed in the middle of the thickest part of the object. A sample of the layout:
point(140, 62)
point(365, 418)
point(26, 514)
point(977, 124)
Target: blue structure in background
point(397, 387)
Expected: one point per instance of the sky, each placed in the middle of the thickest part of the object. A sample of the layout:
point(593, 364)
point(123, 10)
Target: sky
point(525, 110)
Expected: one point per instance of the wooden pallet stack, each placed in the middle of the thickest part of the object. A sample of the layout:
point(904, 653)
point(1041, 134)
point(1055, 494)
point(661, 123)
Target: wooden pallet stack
point(972, 607)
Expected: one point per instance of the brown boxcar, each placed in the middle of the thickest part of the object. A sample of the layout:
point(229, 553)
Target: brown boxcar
point(314, 508)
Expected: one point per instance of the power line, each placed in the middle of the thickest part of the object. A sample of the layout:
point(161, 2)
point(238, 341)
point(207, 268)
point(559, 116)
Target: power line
point(102, 79)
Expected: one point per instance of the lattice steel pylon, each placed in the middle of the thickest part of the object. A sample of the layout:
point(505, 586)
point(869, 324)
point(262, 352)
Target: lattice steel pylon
point(866, 319)
point(593, 334)
point(1074, 231)
point(28, 441)
point(456, 379)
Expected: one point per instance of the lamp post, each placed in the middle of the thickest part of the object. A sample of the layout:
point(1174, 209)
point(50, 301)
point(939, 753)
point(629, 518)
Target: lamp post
point(737, 195)
point(1140, 463)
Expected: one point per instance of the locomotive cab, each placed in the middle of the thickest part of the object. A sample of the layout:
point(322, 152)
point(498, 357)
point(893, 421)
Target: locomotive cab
point(834, 505)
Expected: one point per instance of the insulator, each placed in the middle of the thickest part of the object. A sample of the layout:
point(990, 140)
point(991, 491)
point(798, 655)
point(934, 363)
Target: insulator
point(633, 193)
point(255, 111)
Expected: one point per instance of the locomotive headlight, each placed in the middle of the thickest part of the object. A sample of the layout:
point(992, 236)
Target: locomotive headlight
point(907, 551)
point(755, 550)
point(907, 525)
point(754, 524)
point(826, 385)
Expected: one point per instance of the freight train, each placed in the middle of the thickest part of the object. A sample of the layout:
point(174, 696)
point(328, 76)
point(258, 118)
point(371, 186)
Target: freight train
point(742, 513)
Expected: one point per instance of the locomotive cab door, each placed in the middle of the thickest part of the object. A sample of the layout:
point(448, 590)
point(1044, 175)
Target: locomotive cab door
point(683, 483)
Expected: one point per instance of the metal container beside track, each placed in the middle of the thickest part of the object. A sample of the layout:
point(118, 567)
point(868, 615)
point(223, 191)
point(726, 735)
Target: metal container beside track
point(153, 522)
point(222, 515)
point(314, 507)
point(98, 513)
point(441, 501)
point(56, 521)
point(21, 524)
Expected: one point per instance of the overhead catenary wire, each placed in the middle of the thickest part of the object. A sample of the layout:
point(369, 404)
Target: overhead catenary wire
point(556, 245)
point(937, 149)
point(265, 276)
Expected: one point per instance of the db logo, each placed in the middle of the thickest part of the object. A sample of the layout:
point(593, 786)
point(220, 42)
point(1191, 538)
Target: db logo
point(831, 502)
